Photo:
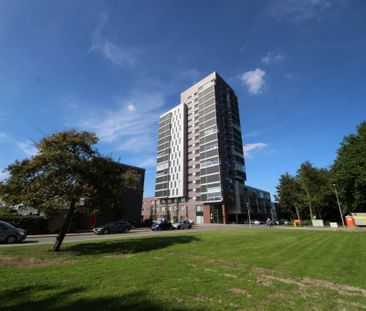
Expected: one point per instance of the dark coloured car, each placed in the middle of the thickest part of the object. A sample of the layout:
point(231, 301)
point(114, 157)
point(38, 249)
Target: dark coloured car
point(162, 225)
point(11, 234)
point(114, 227)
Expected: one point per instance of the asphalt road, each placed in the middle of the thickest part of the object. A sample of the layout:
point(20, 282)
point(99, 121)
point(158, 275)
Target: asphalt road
point(89, 236)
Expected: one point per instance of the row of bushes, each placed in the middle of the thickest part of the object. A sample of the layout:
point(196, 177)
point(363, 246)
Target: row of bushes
point(32, 224)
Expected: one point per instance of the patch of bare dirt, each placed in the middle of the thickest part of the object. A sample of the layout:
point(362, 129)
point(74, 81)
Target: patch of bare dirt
point(351, 304)
point(226, 264)
point(125, 255)
point(204, 299)
point(220, 262)
point(286, 295)
point(264, 282)
point(239, 291)
point(31, 262)
point(192, 265)
point(340, 288)
point(265, 276)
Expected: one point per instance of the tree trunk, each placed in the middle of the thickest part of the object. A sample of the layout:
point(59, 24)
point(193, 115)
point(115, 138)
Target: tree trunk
point(309, 203)
point(298, 214)
point(65, 227)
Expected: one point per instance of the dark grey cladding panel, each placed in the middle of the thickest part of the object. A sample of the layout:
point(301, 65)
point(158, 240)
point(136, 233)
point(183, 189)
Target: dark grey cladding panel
point(210, 170)
point(206, 91)
point(162, 179)
point(166, 139)
point(210, 178)
point(205, 187)
point(163, 146)
point(207, 97)
point(207, 110)
point(208, 124)
point(163, 159)
point(161, 194)
point(208, 154)
point(208, 138)
point(207, 117)
point(162, 186)
point(165, 118)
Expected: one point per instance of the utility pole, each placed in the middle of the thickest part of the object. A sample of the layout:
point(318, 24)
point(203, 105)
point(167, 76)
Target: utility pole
point(339, 204)
point(250, 222)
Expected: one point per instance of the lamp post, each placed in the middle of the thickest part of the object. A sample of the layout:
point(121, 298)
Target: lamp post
point(250, 222)
point(339, 205)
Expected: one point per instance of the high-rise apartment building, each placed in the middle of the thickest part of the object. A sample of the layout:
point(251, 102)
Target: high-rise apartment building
point(200, 163)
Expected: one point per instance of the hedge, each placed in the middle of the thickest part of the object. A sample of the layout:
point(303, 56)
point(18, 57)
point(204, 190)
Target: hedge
point(32, 224)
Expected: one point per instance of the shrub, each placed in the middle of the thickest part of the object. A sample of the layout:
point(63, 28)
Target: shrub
point(32, 224)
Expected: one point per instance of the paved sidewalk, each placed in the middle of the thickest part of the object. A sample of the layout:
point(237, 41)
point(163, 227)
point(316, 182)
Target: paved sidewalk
point(53, 235)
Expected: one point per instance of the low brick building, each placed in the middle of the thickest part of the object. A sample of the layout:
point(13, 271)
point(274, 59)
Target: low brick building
point(130, 209)
point(256, 200)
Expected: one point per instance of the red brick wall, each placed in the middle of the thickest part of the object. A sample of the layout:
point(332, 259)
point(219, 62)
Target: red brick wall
point(225, 215)
point(206, 214)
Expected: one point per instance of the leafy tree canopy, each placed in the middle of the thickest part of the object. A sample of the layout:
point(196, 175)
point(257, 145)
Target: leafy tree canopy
point(290, 195)
point(311, 192)
point(349, 171)
point(66, 172)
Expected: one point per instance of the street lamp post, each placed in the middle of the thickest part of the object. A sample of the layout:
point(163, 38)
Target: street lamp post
point(250, 222)
point(339, 205)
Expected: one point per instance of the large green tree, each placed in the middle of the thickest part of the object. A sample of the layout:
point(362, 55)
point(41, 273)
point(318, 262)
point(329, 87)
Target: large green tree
point(67, 173)
point(290, 195)
point(349, 171)
point(315, 185)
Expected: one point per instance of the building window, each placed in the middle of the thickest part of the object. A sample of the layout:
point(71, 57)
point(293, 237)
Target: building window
point(199, 210)
point(209, 162)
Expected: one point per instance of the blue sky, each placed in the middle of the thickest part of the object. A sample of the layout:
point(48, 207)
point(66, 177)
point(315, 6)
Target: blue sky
point(297, 66)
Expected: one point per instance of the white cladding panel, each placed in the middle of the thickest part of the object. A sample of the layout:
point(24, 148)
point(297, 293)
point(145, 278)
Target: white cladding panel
point(177, 153)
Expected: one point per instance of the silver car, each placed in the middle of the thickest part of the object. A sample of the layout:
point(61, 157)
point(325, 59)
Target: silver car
point(11, 234)
point(183, 224)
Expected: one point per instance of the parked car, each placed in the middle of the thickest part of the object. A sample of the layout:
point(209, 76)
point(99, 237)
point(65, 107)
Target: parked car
point(162, 225)
point(183, 224)
point(114, 227)
point(11, 234)
point(283, 221)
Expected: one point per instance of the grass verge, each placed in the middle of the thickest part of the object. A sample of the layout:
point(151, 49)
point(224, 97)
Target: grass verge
point(218, 270)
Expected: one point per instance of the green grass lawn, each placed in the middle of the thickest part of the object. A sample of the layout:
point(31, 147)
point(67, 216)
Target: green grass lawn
point(217, 270)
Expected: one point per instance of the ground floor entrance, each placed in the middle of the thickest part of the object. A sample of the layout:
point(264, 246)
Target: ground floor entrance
point(214, 213)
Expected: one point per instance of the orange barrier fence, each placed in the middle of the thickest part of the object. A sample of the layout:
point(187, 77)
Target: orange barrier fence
point(350, 221)
point(297, 222)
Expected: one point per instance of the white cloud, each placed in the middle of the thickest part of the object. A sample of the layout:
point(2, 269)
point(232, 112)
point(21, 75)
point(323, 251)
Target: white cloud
point(28, 147)
point(132, 125)
point(288, 75)
point(251, 149)
point(271, 58)
point(193, 75)
point(3, 175)
point(149, 162)
point(253, 80)
point(131, 108)
point(137, 143)
point(117, 54)
point(303, 10)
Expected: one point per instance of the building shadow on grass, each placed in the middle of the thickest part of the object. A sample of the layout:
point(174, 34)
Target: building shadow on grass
point(41, 298)
point(127, 246)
